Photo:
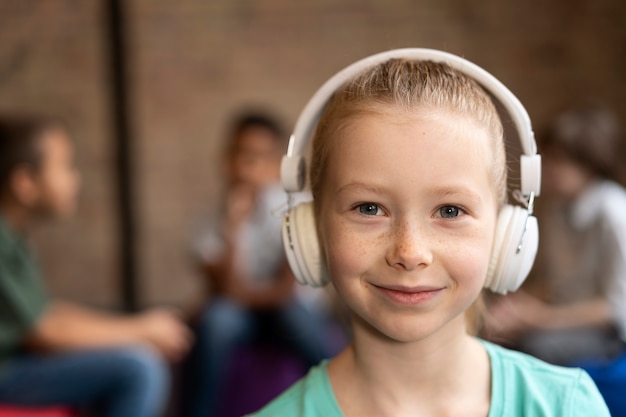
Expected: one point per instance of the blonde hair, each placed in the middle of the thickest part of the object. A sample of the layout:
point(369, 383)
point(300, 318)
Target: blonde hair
point(408, 85)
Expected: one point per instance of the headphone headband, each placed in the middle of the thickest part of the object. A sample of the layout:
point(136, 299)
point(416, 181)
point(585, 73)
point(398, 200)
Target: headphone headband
point(293, 170)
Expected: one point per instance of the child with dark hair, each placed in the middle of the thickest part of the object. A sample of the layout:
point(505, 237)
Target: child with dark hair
point(54, 352)
point(251, 289)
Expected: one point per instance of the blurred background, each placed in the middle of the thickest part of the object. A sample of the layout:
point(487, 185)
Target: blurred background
point(148, 87)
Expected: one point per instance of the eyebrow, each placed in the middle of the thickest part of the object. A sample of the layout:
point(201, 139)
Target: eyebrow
point(448, 191)
point(359, 186)
point(443, 192)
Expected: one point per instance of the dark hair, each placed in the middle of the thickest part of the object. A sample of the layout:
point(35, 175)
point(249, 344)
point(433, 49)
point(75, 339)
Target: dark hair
point(590, 135)
point(254, 119)
point(19, 142)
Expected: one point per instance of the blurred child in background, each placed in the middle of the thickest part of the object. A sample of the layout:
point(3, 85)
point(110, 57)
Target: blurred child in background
point(573, 307)
point(55, 352)
point(252, 291)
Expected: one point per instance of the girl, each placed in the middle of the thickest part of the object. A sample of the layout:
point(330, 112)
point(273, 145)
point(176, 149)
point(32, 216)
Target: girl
point(408, 177)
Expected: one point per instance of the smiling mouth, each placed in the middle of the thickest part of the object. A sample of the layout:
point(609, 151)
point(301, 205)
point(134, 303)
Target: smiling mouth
point(409, 297)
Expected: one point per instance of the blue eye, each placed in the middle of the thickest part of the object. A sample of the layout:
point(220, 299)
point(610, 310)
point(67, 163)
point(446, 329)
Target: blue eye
point(369, 209)
point(449, 212)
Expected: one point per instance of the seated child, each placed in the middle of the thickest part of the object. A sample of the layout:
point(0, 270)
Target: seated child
point(54, 352)
point(572, 309)
point(252, 291)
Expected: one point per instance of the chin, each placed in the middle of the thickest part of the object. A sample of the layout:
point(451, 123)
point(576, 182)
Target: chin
point(415, 329)
point(405, 330)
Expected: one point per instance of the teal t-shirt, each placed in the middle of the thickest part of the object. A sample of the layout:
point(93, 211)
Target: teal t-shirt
point(522, 386)
point(22, 294)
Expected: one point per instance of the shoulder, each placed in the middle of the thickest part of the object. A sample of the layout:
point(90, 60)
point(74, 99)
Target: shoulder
point(311, 396)
point(607, 192)
point(523, 382)
point(274, 195)
point(16, 258)
point(272, 199)
point(604, 199)
point(8, 241)
point(612, 197)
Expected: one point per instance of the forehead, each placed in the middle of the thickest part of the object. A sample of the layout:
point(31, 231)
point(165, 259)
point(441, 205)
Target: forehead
point(256, 140)
point(255, 137)
point(420, 127)
point(411, 145)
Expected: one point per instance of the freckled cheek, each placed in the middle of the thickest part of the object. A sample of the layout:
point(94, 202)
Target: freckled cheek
point(347, 253)
point(470, 261)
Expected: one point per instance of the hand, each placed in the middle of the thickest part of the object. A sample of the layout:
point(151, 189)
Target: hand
point(163, 329)
point(239, 205)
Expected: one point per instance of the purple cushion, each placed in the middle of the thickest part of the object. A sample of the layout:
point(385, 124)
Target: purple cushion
point(257, 374)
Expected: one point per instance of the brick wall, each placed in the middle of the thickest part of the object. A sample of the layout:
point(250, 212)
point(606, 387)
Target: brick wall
point(193, 62)
point(52, 59)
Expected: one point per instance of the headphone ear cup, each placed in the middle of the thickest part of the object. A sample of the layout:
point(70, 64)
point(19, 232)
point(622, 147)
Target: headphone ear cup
point(510, 263)
point(302, 246)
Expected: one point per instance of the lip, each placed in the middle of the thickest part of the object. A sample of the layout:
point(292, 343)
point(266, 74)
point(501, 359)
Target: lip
point(409, 296)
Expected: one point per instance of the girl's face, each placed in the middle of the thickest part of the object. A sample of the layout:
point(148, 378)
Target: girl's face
point(57, 179)
point(407, 219)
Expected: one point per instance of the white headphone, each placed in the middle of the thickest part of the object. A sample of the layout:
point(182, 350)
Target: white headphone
point(517, 233)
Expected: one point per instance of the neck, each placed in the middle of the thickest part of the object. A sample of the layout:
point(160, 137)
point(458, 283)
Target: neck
point(413, 377)
point(414, 362)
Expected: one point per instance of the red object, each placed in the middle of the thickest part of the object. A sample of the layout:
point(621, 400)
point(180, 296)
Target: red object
point(14, 411)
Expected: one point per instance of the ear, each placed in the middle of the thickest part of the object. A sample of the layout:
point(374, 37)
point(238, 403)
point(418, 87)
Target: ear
point(24, 186)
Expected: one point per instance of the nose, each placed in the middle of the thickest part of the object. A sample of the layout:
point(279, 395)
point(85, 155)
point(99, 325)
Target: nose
point(410, 247)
